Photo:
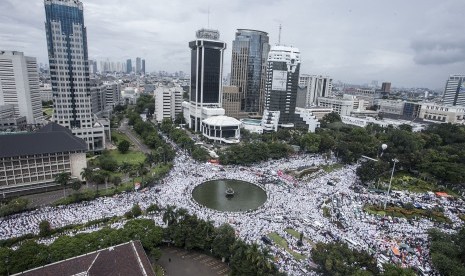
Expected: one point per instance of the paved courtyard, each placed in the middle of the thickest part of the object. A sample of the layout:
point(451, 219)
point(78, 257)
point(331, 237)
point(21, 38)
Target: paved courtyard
point(186, 263)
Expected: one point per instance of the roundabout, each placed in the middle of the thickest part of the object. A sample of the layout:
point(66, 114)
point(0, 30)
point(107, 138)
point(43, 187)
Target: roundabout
point(229, 195)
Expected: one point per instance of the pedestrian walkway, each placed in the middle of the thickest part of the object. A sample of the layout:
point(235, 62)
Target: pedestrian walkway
point(180, 262)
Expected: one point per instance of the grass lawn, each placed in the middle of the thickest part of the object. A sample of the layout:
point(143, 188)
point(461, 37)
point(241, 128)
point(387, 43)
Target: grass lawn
point(332, 167)
point(117, 136)
point(405, 213)
point(281, 242)
point(131, 157)
point(410, 183)
point(48, 111)
point(296, 235)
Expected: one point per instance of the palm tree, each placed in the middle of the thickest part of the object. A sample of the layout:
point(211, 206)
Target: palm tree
point(169, 217)
point(76, 184)
point(87, 174)
point(126, 167)
point(105, 175)
point(63, 179)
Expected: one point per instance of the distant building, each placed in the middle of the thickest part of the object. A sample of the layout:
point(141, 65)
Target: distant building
point(339, 105)
point(442, 114)
point(128, 66)
point(316, 86)
point(205, 99)
point(232, 101)
point(248, 68)
point(19, 85)
point(386, 87)
point(395, 107)
point(31, 160)
point(138, 65)
point(123, 259)
point(168, 102)
point(9, 121)
point(46, 93)
point(282, 79)
point(454, 93)
point(143, 67)
point(69, 71)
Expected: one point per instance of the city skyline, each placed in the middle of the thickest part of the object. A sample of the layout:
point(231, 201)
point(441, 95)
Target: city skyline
point(409, 44)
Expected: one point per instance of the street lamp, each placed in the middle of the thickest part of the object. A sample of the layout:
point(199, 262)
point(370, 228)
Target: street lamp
point(395, 160)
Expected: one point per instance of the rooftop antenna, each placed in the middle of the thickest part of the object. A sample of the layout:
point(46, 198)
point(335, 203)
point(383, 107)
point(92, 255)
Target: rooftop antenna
point(279, 37)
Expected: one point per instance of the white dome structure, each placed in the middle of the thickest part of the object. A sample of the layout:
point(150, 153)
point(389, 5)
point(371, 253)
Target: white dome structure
point(222, 129)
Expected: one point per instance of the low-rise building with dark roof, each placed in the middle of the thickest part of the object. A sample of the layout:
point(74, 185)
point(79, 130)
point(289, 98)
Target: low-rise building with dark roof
point(30, 161)
point(124, 259)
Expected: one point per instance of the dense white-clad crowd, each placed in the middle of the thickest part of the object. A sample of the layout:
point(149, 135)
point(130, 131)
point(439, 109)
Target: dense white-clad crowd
point(295, 204)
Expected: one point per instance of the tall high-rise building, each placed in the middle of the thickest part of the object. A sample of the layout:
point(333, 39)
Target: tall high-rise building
point(248, 66)
point(386, 87)
point(143, 67)
point(206, 78)
point(128, 66)
point(316, 86)
point(282, 80)
point(168, 102)
point(454, 93)
point(69, 71)
point(138, 65)
point(19, 85)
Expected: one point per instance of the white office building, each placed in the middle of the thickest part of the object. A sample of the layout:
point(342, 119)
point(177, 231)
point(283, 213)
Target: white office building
point(168, 102)
point(316, 86)
point(19, 85)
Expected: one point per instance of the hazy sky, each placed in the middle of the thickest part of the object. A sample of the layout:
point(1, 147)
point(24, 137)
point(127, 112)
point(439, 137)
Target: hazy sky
point(408, 42)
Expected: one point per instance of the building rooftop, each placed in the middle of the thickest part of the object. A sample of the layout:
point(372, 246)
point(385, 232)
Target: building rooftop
point(222, 121)
point(124, 259)
point(51, 138)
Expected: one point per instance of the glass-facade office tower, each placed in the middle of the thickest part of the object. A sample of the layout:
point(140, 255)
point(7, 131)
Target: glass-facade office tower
point(282, 80)
point(143, 67)
point(128, 66)
point(69, 70)
point(206, 73)
point(138, 65)
point(248, 66)
point(454, 93)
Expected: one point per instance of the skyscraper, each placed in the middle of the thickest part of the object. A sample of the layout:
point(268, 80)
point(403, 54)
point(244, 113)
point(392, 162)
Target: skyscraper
point(19, 85)
point(282, 79)
point(206, 77)
point(128, 66)
point(454, 93)
point(69, 71)
point(386, 87)
point(248, 65)
point(143, 66)
point(316, 86)
point(138, 65)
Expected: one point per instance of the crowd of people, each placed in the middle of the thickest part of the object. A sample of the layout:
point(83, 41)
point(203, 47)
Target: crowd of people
point(291, 204)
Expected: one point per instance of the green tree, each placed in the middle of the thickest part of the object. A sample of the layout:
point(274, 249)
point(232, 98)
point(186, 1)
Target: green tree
point(63, 179)
point(76, 184)
point(136, 210)
point(87, 174)
point(45, 229)
point(310, 142)
point(224, 238)
point(123, 146)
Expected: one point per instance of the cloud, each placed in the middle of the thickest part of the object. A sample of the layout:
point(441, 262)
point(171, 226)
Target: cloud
point(439, 51)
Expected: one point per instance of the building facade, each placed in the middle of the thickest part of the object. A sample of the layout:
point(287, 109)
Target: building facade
point(32, 160)
point(250, 50)
point(168, 102)
point(143, 67)
point(442, 114)
point(454, 93)
point(316, 86)
point(205, 97)
point(282, 79)
point(128, 66)
point(138, 65)
point(232, 101)
point(19, 85)
point(69, 71)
